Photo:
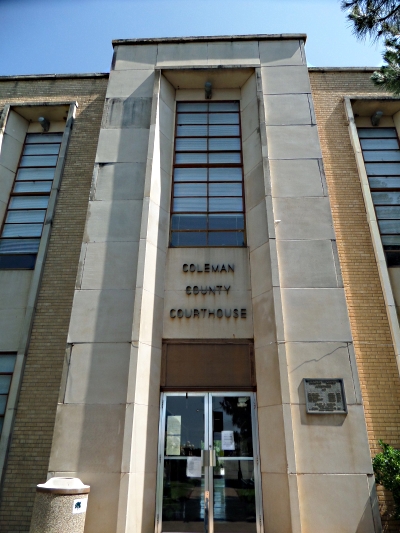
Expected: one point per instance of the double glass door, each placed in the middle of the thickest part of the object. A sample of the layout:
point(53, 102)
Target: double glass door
point(208, 472)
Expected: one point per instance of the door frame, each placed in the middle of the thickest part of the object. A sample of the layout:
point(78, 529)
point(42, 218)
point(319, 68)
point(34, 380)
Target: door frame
point(207, 432)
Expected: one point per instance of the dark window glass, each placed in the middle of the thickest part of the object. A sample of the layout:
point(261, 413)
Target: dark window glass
point(207, 205)
point(23, 224)
point(7, 364)
point(382, 162)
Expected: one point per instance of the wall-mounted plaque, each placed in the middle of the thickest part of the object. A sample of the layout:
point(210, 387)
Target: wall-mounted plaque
point(325, 396)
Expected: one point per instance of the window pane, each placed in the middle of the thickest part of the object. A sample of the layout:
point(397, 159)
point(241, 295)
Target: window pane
point(379, 144)
point(224, 118)
point(39, 149)
point(31, 215)
point(383, 169)
point(19, 246)
point(190, 174)
point(4, 384)
point(189, 222)
point(189, 144)
point(192, 106)
point(224, 144)
point(190, 189)
point(384, 183)
point(367, 133)
point(226, 238)
point(386, 198)
point(382, 155)
point(225, 174)
point(183, 158)
point(29, 202)
point(22, 230)
point(389, 226)
point(7, 362)
point(189, 238)
point(225, 189)
point(43, 138)
point(222, 131)
point(388, 212)
point(3, 402)
point(225, 157)
point(391, 240)
point(226, 221)
point(191, 131)
point(225, 204)
point(38, 161)
point(32, 186)
point(195, 205)
point(224, 106)
point(30, 174)
point(189, 118)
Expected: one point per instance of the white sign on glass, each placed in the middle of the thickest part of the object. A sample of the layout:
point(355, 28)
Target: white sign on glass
point(193, 467)
point(174, 425)
point(227, 440)
point(173, 445)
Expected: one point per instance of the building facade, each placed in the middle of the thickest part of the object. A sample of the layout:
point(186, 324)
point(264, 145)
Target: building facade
point(199, 259)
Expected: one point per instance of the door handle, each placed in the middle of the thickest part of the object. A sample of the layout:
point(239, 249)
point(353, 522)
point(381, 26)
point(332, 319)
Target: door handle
point(213, 458)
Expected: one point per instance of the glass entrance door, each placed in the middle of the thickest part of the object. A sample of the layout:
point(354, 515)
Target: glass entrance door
point(208, 472)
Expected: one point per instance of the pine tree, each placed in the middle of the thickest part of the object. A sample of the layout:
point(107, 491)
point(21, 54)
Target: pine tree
point(379, 19)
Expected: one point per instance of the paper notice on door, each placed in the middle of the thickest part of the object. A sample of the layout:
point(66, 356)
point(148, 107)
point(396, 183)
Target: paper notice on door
point(227, 440)
point(173, 445)
point(174, 425)
point(193, 467)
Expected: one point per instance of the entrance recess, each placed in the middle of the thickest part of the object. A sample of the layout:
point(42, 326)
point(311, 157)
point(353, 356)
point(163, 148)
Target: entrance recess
point(208, 469)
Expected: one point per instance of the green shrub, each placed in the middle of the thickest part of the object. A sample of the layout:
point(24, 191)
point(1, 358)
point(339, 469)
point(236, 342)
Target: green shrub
point(387, 472)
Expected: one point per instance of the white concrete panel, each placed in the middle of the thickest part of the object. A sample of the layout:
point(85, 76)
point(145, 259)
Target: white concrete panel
point(11, 150)
point(293, 142)
point(276, 503)
point(120, 181)
point(293, 178)
point(110, 265)
point(281, 52)
point(306, 264)
point(3, 209)
point(394, 275)
point(166, 152)
point(102, 509)
point(156, 227)
point(272, 439)
point(315, 315)
point(16, 126)
point(254, 186)
point(98, 374)
point(148, 383)
point(248, 92)
point(6, 182)
point(182, 54)
point(233, 53)
point(167, 120)
point(257, 226)
point(281, 80)
point(167, 93)
point(287, 109)
point(154, 270)
point(135, 57)
point(118, 220)
point(11, 321)
point(264, 319)
point(261, 275)
point(122, 145)
point(303, 218)
point(124, 83)
point(251, 149)
point(101, 316)
point(132, 112)
point(249, 119)
point(79, 441)
point(151, 323)
point(198, 94)
point(268, 376)
point(14, 288)
point(334, 503)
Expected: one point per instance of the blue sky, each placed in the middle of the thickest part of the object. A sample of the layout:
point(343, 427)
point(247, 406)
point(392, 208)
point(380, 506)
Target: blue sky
point(64, 36)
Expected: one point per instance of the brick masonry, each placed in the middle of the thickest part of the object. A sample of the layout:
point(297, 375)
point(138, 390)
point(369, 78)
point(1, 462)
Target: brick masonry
point(29, 453)
point(375, 356)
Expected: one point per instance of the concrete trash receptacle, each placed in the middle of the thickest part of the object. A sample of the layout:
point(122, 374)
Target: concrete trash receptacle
point(60, 506)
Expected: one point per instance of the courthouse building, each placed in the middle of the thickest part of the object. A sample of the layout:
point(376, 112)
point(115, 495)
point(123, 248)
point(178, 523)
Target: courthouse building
point(199, 282)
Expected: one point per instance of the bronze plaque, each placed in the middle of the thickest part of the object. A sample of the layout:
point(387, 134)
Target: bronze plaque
point(325, 396)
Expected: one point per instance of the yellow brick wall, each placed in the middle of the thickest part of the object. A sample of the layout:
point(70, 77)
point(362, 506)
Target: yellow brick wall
point(30, 447)
point(377, 368)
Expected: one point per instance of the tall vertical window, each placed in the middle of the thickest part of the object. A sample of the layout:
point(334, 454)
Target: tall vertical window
point(381, 153)
point(207, 204)
point(23, 223)
point(7, 363)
